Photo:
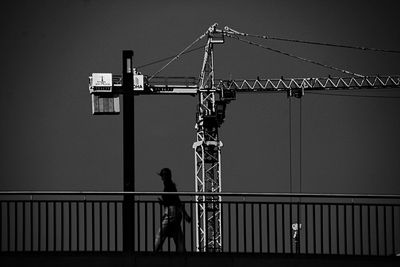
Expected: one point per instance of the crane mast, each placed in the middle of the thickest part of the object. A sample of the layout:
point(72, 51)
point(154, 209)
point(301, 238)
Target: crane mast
point(207, 152)
point(213, 96)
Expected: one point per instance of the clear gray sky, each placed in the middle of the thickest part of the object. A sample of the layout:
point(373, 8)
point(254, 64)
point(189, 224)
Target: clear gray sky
point(49, 140)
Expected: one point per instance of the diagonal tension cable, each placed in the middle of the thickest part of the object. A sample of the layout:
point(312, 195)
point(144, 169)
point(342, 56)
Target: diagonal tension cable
point(179, 54)
point(293, 56)
point(268, 37)
point(167, 58)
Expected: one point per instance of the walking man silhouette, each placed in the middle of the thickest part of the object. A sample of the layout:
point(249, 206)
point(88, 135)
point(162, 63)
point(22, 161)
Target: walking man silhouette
point(172, 217)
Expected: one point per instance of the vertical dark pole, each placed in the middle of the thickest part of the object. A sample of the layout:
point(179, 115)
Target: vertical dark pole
point(306, 227)
point(283, 228)
point(101, 225)
point(244, 228)
point(329, 230)
point(1, 226)
point(23, 226)
point(93, 228)
point(85, 225)
point(116, 225)
point(361, 230)
point(191, 227)
point(337, 230)
point(268, 235)
point(54, 227)
point(230, 228)
point(153, 208)
point(276, 227)
point(128, 150)
point(108, 226)
point(260, 225)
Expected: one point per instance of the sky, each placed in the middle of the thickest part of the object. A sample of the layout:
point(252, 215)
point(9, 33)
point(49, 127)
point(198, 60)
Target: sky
point(50, 140)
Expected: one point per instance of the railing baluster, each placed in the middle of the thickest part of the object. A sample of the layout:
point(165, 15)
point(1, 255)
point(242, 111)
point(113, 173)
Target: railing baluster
point(314, 229)
point(229, 227)
point(85, 225)
point(221, 206)
point(345, 228)
point(361, 229)
point(276, 227)
point(306, 227)
point(70, 225)
point(154, 224)
point(161, 219)
point(244, 227)
point(237, 226)
point(268, 232)
point(54, 227)
point(337, 230)
point(15, 226)
point(47, 224)
point(145, 226)
point(62, 226)
point(260, 227)
point(108, 226)
point(116, 225)
point(101, 224)
point(1, 226)
point(214, 226)
point(290, 227)
point(299, 230)
point(31, 222)
point(377, 229)
point(393, 233)
point(283, 227)
point(138, 225)
point(384, 231)
point(39, 204)
point(191, 226)
point(93, 226)
point(353, 226)
point(77, 223)
point(252, 227)
point(329, 230)
point(321, 215)
point(369, 229)
point(23, 227)
point(169, 240)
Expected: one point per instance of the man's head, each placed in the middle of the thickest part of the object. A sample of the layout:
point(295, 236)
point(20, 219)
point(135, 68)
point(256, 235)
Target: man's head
point(165, 174)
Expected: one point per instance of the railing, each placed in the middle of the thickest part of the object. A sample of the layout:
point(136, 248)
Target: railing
point(330, 224)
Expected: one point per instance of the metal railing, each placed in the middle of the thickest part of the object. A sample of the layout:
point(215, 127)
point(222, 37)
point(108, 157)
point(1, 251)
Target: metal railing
point(331, 224)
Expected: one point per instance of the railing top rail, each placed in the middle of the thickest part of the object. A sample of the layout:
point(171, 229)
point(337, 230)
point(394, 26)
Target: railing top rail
point(226, 194)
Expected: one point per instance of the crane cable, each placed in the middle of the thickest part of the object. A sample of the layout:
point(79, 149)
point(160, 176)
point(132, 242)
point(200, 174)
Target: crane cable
point(178, 55)
point(167, 58)
point(267, 37)
point(293, 56)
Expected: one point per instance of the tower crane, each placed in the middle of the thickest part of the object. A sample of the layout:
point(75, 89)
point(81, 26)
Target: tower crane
point(213, 96)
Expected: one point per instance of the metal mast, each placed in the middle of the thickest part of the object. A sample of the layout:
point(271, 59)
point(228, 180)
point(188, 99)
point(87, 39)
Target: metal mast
point(207, 150)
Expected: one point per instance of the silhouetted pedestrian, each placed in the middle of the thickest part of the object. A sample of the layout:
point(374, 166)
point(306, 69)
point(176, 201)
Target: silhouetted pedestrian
point(172, 217)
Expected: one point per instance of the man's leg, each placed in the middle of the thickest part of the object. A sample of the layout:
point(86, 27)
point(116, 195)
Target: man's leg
point(178, 239)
